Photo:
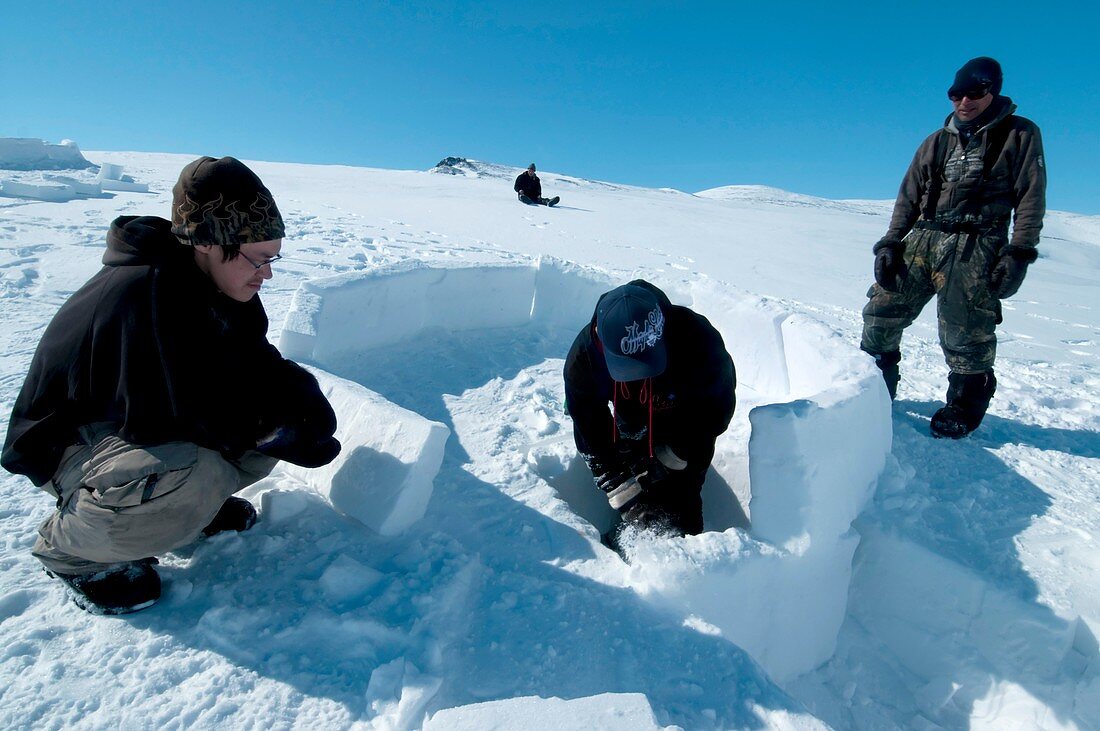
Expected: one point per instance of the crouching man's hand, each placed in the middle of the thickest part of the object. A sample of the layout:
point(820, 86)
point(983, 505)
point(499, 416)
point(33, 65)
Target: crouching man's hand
point(299, 446)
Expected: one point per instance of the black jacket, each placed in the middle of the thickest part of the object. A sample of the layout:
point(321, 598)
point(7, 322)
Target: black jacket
point(150, 345)
point(693, 400)
point(529, 185)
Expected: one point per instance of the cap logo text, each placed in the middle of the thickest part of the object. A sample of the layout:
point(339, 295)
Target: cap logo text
point(639, 337)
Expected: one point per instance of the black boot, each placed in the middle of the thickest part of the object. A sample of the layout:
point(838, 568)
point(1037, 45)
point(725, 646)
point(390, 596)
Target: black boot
point(968, 396)
point(236, 513)
point(120, 590)
point(888, 364)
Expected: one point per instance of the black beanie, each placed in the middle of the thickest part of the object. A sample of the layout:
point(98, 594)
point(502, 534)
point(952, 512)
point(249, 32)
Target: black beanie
point(976, 72)
point(222, 202)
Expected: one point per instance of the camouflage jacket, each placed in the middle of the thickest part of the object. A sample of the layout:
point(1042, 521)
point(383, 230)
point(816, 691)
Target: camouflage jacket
point(1016, 182)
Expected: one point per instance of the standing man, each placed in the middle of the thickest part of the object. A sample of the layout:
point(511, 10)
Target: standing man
point(529, 188)
point(949, 237)
point(154, 394)
point(670, 382)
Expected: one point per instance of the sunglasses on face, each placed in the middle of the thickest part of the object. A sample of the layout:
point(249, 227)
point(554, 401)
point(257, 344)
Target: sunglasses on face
point(978, 92)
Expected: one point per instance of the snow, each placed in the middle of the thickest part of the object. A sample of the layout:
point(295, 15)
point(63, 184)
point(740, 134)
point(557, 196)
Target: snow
point(886, 580)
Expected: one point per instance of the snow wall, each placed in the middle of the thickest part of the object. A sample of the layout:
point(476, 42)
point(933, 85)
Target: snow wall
point(820, 433)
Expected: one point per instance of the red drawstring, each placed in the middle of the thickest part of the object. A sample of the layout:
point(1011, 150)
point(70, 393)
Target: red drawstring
point(645, 396)
point(614, 412)
point(649, 387)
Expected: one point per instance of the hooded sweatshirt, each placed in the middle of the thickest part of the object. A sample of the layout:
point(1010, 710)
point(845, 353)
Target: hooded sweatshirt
point(150, 346)
point(686, 407)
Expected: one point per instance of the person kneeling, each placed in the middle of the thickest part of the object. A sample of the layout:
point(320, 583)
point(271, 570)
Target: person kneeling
point(670, 382)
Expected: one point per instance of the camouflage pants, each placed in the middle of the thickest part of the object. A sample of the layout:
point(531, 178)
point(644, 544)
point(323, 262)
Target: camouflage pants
point(955, 267)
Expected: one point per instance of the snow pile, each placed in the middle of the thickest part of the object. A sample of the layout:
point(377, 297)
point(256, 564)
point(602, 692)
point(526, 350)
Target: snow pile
point(803, 502)
point(28, 153)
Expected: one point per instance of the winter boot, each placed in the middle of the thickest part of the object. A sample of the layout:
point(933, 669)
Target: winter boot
point(968, 396)
point(235, 514)
point(122, 589)
point(888, 364)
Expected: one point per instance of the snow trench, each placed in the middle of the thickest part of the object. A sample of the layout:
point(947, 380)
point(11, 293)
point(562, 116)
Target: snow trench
point(425, 361)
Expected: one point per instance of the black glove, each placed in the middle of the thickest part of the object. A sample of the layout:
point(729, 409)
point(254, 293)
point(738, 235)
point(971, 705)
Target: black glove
point(607, 473)
point(651, 474)
point(299, 447)
point(1008, 273)
point(890, 269)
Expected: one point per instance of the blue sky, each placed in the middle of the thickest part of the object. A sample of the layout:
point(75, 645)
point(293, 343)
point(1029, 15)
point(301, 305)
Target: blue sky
point(829, 100)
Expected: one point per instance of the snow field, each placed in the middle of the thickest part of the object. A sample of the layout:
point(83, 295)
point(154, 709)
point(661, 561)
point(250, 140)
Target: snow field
point(972, 602)
point(801, 505)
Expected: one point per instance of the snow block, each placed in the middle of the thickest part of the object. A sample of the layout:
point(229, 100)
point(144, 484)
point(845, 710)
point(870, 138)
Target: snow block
point(50, 192)
point(606, 711)
point(783, 607)
point(814, 462)
point(813, 469)
point(124, 186)
point(384, 474)
point(111, 178)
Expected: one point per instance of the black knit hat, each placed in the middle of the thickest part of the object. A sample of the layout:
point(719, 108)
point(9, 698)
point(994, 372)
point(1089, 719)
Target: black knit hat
point(980, 71)
point(631, 326)
point(222, 202)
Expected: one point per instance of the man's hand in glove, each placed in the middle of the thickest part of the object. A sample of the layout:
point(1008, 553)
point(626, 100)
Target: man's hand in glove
point(301, 448)
point(1008, 273)
point(890, 269)
point(607, 473)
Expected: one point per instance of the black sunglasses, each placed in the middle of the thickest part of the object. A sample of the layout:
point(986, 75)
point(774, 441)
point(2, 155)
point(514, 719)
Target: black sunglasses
point(264, 263)
point(978, 92)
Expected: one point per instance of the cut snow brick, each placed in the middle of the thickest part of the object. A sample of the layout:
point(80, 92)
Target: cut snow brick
point(607, 711)
point(384, 474)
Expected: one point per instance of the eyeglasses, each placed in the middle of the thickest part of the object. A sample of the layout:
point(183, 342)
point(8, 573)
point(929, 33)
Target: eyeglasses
point(978, 92)
point(264, 263)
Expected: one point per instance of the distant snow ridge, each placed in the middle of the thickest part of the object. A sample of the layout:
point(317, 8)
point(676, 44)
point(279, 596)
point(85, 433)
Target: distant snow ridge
point(477, 169)
point(757, 194)
point(810, 396)
point(473, 168)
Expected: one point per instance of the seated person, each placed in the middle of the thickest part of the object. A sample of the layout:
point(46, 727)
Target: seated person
point(529, 188)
